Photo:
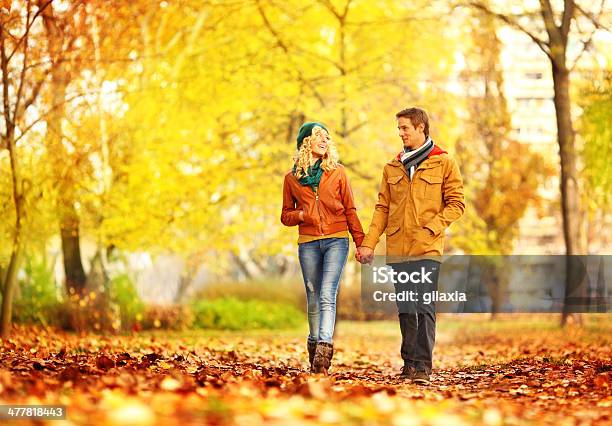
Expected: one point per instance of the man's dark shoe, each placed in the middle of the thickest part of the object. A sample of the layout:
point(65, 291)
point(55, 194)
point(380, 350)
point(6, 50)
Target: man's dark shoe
point(408, 372)
point(421, 378)
point(312, 347)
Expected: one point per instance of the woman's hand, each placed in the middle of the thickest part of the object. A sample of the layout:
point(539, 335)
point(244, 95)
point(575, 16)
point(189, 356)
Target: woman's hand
point(301, 215)
point(364, 255)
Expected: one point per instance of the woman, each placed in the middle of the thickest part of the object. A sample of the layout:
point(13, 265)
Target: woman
point(318, 198)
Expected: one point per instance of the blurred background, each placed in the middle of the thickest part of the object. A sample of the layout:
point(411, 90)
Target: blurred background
point(144, 143)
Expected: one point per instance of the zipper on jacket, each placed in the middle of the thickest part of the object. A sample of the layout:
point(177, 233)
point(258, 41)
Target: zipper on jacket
point(414, 213)
point(316, 191)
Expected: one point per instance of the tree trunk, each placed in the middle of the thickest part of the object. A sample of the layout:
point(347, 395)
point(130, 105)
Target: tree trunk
point(10, 281)
point(68, 217)
point(496, 292)
point(570, 202)
point(9, 287)
point(73, 267)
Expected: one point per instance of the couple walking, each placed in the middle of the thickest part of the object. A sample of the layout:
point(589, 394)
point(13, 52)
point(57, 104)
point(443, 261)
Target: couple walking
point(421, 194)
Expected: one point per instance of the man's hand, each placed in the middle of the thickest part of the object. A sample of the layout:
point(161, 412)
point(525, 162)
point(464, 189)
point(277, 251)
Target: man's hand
point(364, 255)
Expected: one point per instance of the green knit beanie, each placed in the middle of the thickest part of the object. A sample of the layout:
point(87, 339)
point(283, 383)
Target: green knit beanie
point(306, 130)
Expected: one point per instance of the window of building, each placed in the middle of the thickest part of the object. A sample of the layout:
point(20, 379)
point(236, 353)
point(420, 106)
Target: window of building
point(534, 75)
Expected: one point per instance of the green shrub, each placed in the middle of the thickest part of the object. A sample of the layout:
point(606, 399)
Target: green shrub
point(269, 290)
point(131, 306)
point(36, 299)
point(229, 313)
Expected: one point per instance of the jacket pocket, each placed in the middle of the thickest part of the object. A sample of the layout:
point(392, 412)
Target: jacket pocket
point(431, 187)
point(307, 219)
point(422, 242)
point(391, 230)
point(394, 240)
point(396, 189)
point(312, 214)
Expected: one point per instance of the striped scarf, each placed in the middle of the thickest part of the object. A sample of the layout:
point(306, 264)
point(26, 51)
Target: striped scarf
point(412, 159)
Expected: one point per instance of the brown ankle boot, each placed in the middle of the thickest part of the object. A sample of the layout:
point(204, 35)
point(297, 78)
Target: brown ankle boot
point(312, 347)
point(323, 357)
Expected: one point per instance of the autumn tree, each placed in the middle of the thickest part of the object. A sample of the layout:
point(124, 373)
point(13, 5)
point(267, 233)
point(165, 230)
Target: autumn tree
point(501, 176)
point(63, 29)
point(24, 71)
point(44, 50)
point(550, 26)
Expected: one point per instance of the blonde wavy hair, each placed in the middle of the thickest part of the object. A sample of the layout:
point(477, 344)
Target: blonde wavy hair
point(303, 156)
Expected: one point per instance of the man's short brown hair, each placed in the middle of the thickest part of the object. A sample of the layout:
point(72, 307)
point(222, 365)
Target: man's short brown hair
point(417, 116)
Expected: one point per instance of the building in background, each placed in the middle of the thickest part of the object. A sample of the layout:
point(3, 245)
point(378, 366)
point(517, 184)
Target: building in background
point(528, 87)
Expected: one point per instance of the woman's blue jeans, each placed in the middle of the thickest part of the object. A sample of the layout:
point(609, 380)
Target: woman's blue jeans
point(322, 262)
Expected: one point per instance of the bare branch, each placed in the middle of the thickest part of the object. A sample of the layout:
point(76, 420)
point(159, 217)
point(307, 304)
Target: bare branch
point(356, 127)
point(585, 45)
point(554, 35)
point(512, 22)
point(568, 15)
point(280, 43)
point(346, 9)
point(53, 108)
point(594, 19)
point(38, 12)
point(5, 85)
point(22, 75)
point(317, 56)
point(328, 4)
point(33, 93)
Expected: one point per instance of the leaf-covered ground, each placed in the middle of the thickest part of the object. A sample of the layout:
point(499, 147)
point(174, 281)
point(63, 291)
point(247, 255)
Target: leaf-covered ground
point(510, 371)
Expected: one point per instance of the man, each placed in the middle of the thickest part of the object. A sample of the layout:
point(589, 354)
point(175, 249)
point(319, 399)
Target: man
point(421, 194)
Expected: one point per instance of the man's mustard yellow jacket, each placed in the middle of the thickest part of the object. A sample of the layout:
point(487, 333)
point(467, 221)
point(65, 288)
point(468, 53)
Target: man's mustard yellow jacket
point(414, 214)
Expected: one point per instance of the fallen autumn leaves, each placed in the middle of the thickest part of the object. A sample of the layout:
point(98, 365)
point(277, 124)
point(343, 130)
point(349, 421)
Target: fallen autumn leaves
point(485, 373)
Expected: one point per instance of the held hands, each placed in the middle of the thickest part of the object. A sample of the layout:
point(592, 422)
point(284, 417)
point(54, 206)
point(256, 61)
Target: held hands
point(364, 255)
